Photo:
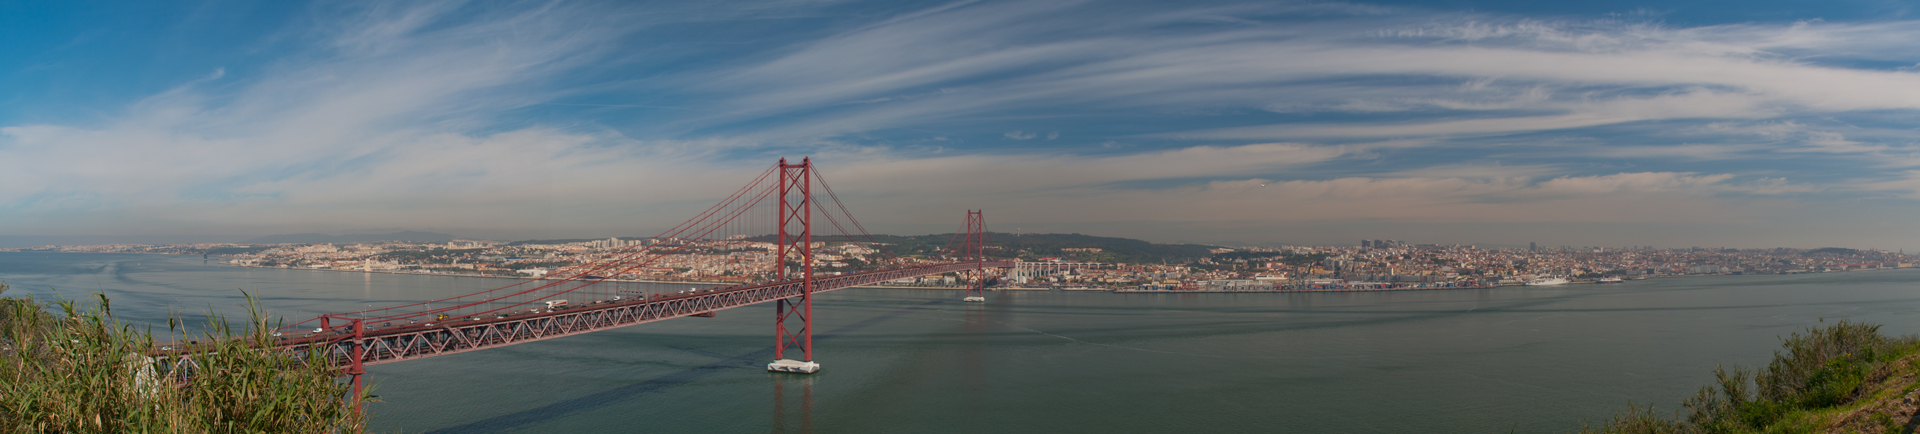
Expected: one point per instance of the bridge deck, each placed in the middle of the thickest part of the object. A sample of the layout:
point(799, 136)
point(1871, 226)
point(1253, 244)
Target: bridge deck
point(459, 335)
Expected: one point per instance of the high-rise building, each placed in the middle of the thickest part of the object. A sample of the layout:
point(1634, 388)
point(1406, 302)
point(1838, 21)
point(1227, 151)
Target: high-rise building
point(1531, 247)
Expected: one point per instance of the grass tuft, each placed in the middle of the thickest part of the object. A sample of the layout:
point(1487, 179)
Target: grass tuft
point(71, 367)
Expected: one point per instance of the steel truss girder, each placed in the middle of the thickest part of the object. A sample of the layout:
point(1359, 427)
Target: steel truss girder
point(454, 337)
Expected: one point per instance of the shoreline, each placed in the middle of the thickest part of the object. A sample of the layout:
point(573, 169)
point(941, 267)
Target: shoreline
point(1175, 291)
point(882, 286)
point(959, 288)
point(690, 282)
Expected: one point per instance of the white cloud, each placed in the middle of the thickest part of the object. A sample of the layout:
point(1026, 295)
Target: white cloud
point(1628, 182)
point(1694, 152)
point(1907, 185)
point(891, 176)
point(371, 130)
point(1480, 171)
point(1420, 129)
point(1573, 74)
point(393, 122)
point(1621, 197)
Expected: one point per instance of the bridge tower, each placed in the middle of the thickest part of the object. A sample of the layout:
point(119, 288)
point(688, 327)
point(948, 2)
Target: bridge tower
point(356, 368)
point(976, 246)
point(794, 221)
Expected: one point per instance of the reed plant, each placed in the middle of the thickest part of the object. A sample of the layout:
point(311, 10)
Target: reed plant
point(69, 367)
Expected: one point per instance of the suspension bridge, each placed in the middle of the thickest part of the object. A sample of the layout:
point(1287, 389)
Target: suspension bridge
point(585, 297)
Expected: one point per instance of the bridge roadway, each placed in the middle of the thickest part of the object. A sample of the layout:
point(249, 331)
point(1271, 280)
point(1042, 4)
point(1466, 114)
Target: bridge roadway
point(459, 335)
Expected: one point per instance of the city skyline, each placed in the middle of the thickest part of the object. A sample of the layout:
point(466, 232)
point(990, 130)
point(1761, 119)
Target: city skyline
point(1240, 123)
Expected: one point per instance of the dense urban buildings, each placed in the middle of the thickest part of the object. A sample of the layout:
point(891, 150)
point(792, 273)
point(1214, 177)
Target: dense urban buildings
point(1375, 264)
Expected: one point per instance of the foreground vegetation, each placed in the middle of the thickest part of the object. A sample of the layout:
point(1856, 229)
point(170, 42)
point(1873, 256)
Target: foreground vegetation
point(1842, 378)
point(72, 368)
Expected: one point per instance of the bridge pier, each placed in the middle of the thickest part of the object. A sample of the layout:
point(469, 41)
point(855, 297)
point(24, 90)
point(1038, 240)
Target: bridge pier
point(803, 339)
point(793, 366)
point(977, 287)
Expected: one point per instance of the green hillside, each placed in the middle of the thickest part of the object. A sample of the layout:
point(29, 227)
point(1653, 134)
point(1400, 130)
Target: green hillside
point(1841, 378)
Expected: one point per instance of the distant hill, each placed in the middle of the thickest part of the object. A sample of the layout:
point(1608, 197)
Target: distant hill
point(407, 236)
point(1833, 250)
point(1034, 246)
point(565, 240)
point(552, 241)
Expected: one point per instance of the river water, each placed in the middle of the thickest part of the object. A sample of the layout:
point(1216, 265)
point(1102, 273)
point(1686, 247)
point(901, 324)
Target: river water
point(1520, 359)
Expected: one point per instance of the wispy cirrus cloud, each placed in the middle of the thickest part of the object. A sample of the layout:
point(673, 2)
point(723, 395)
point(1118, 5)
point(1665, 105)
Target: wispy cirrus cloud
point(526, 118)
point(374, 116)
point(1506, 77)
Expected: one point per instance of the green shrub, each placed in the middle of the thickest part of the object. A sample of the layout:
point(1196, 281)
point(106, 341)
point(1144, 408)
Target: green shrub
point(1819, 368)
point(78, 370)
point(1639, 421)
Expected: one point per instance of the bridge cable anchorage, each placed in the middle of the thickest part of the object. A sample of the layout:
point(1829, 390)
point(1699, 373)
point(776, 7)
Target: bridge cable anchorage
point(528, 311)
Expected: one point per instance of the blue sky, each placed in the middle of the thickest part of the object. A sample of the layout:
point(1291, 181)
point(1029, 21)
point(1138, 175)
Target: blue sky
point(1710, 123)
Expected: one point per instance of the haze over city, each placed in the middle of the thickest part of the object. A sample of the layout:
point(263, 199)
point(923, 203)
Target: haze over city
point(1723, 124)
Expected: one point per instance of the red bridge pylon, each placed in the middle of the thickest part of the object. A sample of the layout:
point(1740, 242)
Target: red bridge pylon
point(975, 246)
point(797, 247)
point(356, 352)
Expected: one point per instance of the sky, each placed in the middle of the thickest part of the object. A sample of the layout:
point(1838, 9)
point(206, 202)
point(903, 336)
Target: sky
point(1604, 123)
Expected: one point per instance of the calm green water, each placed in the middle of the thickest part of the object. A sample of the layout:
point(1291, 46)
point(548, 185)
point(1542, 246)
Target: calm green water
point(1470, 361)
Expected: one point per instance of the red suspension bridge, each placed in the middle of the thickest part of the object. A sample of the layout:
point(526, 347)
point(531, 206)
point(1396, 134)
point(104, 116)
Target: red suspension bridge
point(781, 202)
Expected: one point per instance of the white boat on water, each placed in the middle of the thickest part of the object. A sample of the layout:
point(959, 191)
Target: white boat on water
point(1610, 279)
point(1547, 281)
